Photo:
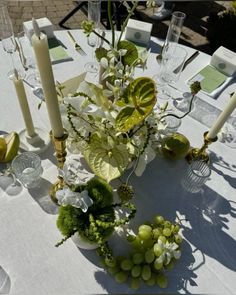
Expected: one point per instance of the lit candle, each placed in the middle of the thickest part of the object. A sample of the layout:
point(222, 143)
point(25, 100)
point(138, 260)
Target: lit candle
point(223, 117)
point(40, 46)
point(20, 91)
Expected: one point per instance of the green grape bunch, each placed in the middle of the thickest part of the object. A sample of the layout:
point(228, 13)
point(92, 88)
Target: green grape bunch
point(155, 250)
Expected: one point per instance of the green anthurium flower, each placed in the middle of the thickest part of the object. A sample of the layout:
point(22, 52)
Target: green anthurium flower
point(106, 158)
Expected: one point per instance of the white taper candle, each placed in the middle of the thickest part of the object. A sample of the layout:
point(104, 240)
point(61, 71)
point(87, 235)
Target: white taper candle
point(223, 117)
point(40, 46)
point(20, 91)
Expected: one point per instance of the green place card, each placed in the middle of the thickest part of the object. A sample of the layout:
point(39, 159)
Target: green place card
point(210, 78)
point(57, 51)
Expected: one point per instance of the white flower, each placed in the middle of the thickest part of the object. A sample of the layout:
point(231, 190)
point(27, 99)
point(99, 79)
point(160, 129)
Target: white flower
point(169, 250)
point(115, 89)
point(75, 199)
point(147, 156)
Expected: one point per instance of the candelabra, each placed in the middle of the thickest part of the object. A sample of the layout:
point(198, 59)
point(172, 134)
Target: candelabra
point(60, 148)
point(200, 153)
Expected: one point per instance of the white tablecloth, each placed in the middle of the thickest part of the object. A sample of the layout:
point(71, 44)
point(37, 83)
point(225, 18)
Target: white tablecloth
point(28, 229)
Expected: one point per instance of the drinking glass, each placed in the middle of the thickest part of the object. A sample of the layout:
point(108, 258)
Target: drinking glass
point(174, 32)
point(182, 103)
point(196, 175)
point(7, 36)
point(172, 124)
point(27, 169)
point(227, 135)
point(170, 69)
point(94, 14)
point(28, 62)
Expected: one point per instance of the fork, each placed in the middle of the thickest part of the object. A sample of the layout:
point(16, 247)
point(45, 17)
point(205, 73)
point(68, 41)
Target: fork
point(77, 47)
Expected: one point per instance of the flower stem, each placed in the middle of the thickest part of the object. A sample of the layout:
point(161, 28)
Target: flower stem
point(100, 36)
point(110, 22)
point(126, 20)
point(181, 117)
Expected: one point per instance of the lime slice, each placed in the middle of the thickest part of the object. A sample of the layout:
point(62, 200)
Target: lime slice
point(13, 143)
point(3, 148)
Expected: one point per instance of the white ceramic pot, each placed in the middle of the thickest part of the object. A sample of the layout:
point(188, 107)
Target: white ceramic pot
point(82, 243)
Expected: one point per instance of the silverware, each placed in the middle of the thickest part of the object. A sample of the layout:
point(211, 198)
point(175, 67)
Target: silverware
point(77, 47)
point(19, 49)
point(187, 62)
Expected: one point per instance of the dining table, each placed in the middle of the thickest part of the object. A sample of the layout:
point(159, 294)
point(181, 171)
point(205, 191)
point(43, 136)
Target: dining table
point(29, 261)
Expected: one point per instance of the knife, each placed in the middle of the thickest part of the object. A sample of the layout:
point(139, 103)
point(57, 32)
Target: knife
point(77, 47)
point(188, 61)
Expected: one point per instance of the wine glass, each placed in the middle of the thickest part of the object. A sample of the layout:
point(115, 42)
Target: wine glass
point(94, 14)
point(8, 38)
point(29, 64)
point(170, 69)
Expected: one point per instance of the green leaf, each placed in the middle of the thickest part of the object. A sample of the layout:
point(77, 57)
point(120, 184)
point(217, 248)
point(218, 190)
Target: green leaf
point(131, 54)
point(101, 99)
point(100, 53)
point(106, 161)
point(140, 99)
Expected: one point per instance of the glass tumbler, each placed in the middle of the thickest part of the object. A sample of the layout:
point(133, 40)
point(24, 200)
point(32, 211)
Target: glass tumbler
point(172, 124)
point(196, 175)
point(27, 169)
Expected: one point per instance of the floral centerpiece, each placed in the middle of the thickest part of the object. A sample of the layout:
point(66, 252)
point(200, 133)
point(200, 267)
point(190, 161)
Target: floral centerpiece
point(113, 123)
point(114, 126)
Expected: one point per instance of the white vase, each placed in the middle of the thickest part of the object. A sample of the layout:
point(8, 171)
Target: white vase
point(82, 243)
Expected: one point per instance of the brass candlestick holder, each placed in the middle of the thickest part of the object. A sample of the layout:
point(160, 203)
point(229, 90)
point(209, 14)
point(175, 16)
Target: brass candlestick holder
point(200, 153)
point(60, 148)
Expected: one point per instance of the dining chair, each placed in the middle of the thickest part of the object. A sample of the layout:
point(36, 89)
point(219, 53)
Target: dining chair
point(119, 12)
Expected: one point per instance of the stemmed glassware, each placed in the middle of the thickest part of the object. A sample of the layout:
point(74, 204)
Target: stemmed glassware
point(29, 64)
point(170, 69)
point(94, 14)
point(7, 36)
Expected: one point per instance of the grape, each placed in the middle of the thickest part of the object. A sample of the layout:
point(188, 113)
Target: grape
point(158, 219)
point(113, 270)
point(146, 272)
point(135, 283)
point(170, 266)
point(162, 239)
point(166, 232)
point(177, 254)
point(161, 280)
point(136, 271)
point(137, 258)
point(137, 243)
point(157, 249)
point(156, 233)
point(157, 264)
point(145, 234)
point(178, 239)
point(131, 238)
point(151, 281)
point(126, 264)
point(121, 277)
point(148, 243)
point(149, 256)
point(167, 224)
point(111, 262)
point(176, 228)
point(145, 227)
